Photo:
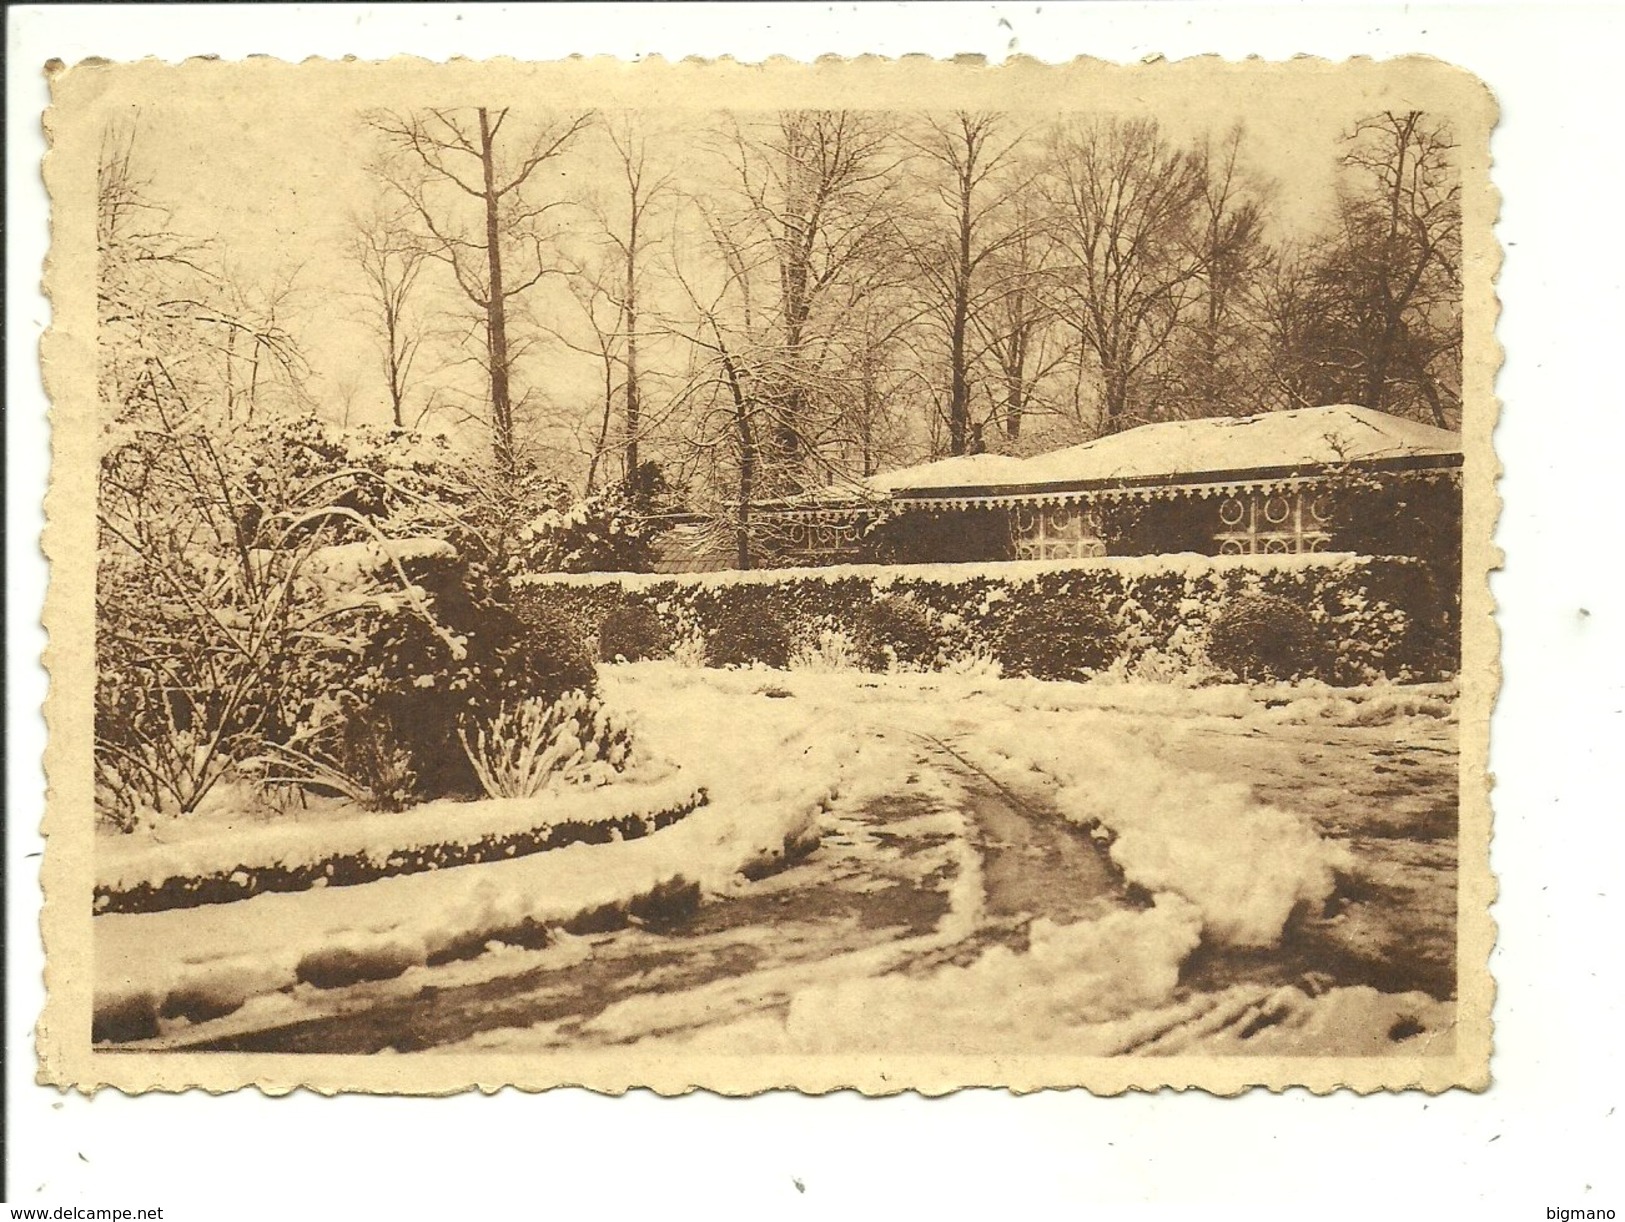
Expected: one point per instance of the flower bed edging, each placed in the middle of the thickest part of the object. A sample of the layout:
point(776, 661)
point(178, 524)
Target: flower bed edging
point(350, 869)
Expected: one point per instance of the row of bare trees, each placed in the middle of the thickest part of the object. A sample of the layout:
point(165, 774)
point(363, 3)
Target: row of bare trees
point(766, 304)
point(779, 302)
point(176, 320)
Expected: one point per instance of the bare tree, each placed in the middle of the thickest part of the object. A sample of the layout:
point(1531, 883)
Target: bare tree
point(1017, 318)
point(390, 259)
point(1230, 250)
point(603, 312)
point(608, 288)
point(264, 364)
point(1292, 314)
point(1370, 311)
point(644, 188)
point(807, 213)
point(884, 380)
point(1124, 199)
point(1399, 259)
point(172, 318)
point(725, 409)
point(1215, 361)
point(970, 157)
point(748, 427)
point(499, 253)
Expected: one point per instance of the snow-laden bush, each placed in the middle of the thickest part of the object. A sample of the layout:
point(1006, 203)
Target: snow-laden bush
point(1173, 667)
point(536, 744)
point(360, 760)
point(412, 678)
point(688, 651)
point(977, 663)
point(632, 632)
point(609, 531)
point(1262, 636)
point(215, 625)
point(743, 635)
point(826, 650)
point(1061, 640)
point(329, 601)
point(894, 632)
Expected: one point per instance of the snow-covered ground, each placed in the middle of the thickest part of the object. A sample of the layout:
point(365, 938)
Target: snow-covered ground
point(1219, 869)
point(209, 960)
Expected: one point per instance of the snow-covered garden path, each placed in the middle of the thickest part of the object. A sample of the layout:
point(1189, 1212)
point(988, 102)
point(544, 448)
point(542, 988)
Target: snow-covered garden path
point(1008, 865)
point(934, 874)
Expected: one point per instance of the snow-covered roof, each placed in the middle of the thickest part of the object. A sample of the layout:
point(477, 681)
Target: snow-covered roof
point(964, 471)
point(1177, 450)
point(689, 547)
point(1313, 436)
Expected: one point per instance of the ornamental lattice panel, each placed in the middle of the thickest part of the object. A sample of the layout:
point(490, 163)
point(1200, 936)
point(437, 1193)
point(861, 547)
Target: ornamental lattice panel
point(819, 538)
point(1274, 523)
point(1055, 532)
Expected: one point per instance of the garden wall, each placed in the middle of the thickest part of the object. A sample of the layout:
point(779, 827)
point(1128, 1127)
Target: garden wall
point(1371, 617)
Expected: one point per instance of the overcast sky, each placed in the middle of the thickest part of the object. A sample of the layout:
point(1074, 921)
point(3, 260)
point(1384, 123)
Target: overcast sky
point(272, 169)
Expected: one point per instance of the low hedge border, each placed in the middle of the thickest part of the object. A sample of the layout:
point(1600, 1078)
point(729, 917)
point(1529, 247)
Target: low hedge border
point(351, 869)
point(1378, 617)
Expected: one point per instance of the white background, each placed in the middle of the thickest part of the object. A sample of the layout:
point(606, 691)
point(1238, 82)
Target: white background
point(1545, 1135)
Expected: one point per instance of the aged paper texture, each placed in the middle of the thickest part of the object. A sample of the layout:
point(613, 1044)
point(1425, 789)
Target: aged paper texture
point(879, 575)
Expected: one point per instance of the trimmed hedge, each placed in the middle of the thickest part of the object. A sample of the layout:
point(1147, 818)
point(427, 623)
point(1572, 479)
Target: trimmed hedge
point(1372, 617)
point(351, 869)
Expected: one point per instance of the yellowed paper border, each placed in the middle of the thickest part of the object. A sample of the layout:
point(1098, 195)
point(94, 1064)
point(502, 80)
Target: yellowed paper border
point(84, 95)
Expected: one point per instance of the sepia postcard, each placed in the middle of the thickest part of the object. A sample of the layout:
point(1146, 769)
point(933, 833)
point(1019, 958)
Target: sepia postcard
point(885, 575)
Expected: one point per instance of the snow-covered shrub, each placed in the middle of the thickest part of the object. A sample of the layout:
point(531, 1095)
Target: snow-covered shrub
point(412, 668)
point(743, 634)
point(1063, 640)
point(688, 650)
point(1171, 668)
point(359, 759)
point(258, 587)
point(632, 632)
point(529, 747)
point(212, 617)
point(607, 532)
point(1262, 636)
point(975, 663)
point(895, 632)
point(549, 655)
point(825, 649)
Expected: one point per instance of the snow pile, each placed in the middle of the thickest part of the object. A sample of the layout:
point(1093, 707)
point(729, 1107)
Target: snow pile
point(349, 566)
point(197, 848)
point(1074, 989)
point(1378, 704)
point(1306, 1020)
point(1244, 864)
point(1305, 702)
